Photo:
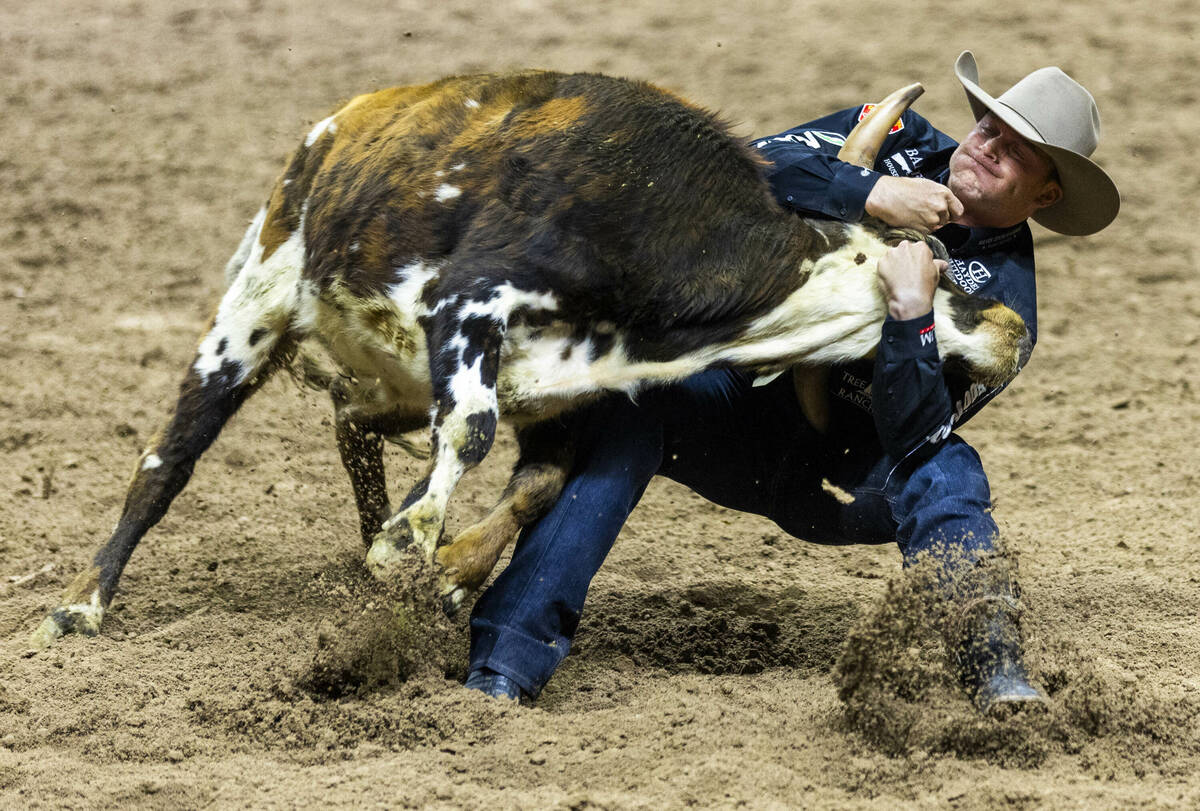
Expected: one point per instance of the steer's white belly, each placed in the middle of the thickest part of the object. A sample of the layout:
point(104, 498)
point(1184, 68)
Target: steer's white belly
point(834, 317)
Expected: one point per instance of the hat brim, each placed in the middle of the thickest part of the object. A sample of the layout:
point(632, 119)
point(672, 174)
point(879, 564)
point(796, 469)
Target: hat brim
point(1090, 198)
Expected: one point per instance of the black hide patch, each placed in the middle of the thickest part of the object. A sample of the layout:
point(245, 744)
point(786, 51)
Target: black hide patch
point(967, 311)
point(481, 430)
point(483, 337)
point(416, 494)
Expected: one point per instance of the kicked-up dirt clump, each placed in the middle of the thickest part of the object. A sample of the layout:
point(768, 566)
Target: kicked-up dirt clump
point(381, 633)
point(899, 682)
point(371, 670)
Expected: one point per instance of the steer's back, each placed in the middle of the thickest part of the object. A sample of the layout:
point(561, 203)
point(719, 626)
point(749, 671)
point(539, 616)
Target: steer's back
point(581, 184)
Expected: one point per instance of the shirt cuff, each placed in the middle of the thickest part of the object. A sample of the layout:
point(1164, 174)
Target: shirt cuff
point(911, 338)
point(849, 191)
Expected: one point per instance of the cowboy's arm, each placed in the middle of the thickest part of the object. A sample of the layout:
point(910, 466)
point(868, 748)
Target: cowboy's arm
point(910, 398)
point(913, 202)
point(807, 176)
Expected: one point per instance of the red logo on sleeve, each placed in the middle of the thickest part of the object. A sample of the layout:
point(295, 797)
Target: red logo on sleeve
point(926, 334)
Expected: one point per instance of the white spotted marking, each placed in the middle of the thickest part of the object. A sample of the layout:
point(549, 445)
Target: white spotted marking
point(458, 167)
point(406, 293)
point(152, 461)
point(263, 293)
point(90, 608)
point(507, 298)
point(323, 126)
point(466, 386)
point(472, 104)
point(304, 321)
point(447, 192)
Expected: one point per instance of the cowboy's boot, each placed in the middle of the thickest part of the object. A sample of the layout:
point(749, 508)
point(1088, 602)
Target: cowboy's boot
point(989, 658)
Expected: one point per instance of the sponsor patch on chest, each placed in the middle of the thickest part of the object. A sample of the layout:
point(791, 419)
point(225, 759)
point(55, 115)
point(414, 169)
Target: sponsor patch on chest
point(904, 163)
point(969, 276)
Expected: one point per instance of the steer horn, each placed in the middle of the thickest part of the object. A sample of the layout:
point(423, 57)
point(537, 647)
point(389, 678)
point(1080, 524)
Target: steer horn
point(860, 149)
point(864, 141)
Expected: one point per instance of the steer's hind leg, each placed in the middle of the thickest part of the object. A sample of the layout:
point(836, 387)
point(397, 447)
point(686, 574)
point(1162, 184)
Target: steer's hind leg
point(360, 439)
point(464, 353)
point(249, 336)
point(546, 455)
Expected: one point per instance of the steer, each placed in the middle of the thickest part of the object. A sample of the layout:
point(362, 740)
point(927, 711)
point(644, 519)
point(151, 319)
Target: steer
point(512, 246)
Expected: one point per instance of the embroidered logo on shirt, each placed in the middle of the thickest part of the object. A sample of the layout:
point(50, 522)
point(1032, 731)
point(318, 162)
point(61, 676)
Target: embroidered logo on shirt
point(927, 336)
point(810, 138)
point(973, 393)
point(907, 161)
point(866, 108)
point(853, 389)
point(969, 277)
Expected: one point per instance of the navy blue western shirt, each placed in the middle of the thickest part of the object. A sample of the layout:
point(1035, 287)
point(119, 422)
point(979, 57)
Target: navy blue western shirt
point(905, 400)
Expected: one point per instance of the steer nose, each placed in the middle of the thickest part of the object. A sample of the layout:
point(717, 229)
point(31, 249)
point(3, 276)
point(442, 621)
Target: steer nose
point(1024, 350)
point(1015, 331)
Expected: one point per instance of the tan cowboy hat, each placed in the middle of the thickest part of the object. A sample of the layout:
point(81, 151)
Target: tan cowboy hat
point(1055, 112)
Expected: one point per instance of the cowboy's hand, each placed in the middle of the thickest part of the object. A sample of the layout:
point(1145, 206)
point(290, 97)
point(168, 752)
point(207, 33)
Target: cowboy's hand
point(908, 275)
point(913, 202)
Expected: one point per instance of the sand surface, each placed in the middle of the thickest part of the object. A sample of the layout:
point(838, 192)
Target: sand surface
point(140, 137)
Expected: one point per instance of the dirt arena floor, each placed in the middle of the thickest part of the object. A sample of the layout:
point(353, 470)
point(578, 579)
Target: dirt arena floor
point(139, 139)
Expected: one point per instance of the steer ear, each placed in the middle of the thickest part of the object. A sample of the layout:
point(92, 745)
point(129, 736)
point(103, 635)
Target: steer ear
point(864, 141)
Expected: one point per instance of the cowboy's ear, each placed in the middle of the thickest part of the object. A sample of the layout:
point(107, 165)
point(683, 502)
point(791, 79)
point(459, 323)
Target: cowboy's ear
point(1049, 195)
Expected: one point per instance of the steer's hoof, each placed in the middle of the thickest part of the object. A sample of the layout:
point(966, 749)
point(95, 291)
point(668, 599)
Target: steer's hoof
point(44, 636)
point(452, 600)
point(386, 555)
point(383, 558)
point(449, 585)
point(68, 619)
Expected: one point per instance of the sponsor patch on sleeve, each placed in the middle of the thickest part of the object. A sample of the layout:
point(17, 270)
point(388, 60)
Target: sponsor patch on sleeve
point(866, 108)
point(926, 334)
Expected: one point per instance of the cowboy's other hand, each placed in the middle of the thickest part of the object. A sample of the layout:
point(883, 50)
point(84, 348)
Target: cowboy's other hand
point(908, 275)
point(913, 202)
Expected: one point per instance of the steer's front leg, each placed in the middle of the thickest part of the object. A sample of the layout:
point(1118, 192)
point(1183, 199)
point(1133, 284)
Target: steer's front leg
point(464, 364)
point(547, 453)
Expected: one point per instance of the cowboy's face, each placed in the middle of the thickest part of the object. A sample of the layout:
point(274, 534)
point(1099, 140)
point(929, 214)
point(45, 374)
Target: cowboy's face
point(1000, 177)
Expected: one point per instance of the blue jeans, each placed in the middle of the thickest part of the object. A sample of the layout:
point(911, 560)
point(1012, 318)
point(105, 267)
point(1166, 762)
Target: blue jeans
point(746, 448)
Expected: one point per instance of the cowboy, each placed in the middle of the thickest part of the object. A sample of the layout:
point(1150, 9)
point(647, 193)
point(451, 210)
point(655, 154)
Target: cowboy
point(889, 441)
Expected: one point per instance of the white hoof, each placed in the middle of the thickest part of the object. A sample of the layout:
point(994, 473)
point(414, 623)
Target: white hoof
point(383, 559)
point(81, 618)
